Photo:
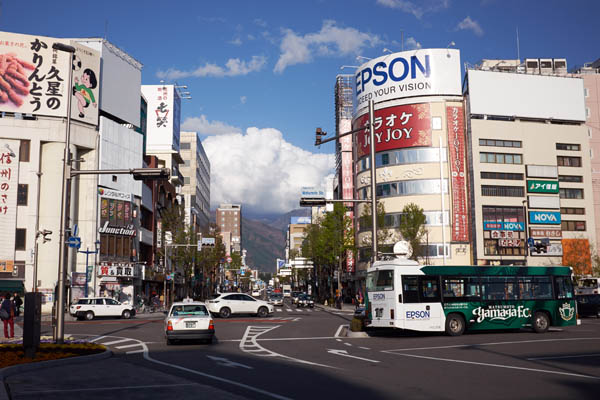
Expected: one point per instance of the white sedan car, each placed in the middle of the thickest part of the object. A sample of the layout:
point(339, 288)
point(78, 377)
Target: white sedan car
point(189, 320)
point(239, 303)
point(91, 307)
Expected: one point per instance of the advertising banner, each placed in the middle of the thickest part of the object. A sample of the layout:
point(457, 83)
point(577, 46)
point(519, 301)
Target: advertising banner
point(456, 148)
point(33, 77)
point(551, 233)
point(118, 270)
point(163, 116)
point(114, 194)
point(504, 235)
point(395, 128)
point(544, 217)
point(534, 186)
point(504, 226)
point(424, 72)
point(509, 242)
point(9, 179)
point(553, 250)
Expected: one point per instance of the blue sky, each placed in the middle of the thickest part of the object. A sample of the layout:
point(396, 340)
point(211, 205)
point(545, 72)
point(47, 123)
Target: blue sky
point(271, 65)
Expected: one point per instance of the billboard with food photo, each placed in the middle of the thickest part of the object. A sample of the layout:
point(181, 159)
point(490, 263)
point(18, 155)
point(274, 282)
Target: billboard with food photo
point(33, 77)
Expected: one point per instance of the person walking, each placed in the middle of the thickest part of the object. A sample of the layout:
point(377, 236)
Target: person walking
point(18, 303)
point(8, 316)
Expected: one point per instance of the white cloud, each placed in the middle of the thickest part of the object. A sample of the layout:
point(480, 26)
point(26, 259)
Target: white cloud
point(233, 67)
point(243, 99)
point(236, 42)
point(261, 171)
point(469, 24)
point(205, 127)
point(412, 44)
point(331, 40)
point(410, 7)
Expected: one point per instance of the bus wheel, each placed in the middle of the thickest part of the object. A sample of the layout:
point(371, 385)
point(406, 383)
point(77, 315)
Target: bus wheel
point(541, 322)
point(455, 325)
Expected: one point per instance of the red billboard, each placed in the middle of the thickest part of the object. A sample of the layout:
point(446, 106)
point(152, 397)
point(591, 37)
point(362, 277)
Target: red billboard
point(456, 148)
point(395, 128)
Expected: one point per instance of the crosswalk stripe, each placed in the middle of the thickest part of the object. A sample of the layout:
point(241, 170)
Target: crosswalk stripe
point(288, 309)
point(278, 310)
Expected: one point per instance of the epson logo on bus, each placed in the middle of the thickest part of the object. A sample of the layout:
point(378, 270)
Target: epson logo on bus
point(418, 314)
point(397, 70)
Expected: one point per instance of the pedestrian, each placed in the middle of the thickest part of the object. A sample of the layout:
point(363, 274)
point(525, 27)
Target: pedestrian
point(18, 303)
point(7, 313)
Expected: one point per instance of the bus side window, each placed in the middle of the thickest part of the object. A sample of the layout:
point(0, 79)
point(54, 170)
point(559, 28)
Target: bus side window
point(430, 291)
point(564, 287)
point(410, 289)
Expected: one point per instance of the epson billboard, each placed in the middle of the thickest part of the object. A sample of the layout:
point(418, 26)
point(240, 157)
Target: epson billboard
point(421, 72)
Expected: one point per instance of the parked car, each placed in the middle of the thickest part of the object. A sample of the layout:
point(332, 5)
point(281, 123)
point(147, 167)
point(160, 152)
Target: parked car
point(91, 307)
point(189, 320)
point(305, 300)
point(227, 304)
point(256, 293)
point(295, 297)
point(276, 299)
point(588, 305)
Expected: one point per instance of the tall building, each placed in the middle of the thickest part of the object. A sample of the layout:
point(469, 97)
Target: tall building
point(229, 219)
point(196, 177)
point(530, 170)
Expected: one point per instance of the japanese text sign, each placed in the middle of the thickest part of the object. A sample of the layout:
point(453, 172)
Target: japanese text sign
point(395, 128)
point(535, 186)
point(456, 148)
point(9, 182)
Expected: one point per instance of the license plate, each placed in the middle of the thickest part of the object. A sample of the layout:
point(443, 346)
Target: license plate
point(190, 324)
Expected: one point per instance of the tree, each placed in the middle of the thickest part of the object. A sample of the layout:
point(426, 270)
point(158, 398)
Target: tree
point(384, 235)
point(412, 228)
point(577, 255)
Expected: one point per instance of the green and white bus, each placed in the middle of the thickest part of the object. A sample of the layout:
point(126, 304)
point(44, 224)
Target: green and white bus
point(405, 295)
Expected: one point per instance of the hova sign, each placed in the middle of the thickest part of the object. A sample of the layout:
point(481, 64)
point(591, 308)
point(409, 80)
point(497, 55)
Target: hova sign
point(420, 72)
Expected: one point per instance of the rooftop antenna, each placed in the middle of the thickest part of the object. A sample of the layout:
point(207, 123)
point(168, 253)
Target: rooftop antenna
point(518, 50)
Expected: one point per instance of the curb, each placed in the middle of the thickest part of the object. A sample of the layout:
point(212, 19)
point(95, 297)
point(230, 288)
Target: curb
point(15, 369)
point(346, 332)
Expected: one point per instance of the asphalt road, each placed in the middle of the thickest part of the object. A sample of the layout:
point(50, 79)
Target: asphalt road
point(298, 354)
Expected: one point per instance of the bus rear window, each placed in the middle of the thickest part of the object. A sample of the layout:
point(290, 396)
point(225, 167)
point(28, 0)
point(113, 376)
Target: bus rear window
point(380, 280)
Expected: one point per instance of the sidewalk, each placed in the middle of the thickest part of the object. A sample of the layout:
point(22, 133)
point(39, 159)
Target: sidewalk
point(345, 307)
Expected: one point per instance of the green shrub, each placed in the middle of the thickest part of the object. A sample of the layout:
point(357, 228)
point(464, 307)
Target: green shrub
point(356, 325)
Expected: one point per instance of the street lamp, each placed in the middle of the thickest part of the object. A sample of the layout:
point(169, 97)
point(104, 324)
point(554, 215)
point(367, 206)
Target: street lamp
point(64, 212)
point(526, 238)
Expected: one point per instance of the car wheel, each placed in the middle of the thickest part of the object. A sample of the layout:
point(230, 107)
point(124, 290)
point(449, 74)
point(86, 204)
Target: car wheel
point(126, 314)
point(455, 325)
point(89, 315)
point(225, 312)
point(263, 312)
point(541, 322)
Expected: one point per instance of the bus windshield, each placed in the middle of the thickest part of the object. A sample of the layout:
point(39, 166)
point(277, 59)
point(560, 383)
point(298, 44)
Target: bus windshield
point(380, 280)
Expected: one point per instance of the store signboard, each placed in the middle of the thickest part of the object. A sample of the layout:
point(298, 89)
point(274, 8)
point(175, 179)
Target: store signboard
point(553, 250)
point(504, 235)
point(9, 182)
point(509, 242)
point(118, 270)
point(503, 226)
point(544, 217)
point(551, 233)
point(114, 194)
point(537, 186)
point(395, 128)
point(456, 148)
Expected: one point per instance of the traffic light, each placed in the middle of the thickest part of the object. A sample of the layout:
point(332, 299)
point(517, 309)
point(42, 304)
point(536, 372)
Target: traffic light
point(318, 136)
point(140, 174)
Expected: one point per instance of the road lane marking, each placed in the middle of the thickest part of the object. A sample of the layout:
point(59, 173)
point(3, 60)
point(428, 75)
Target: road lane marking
point(497, 366)
point(249, 340)
point(97, 338)
point(126, 346)
point(116, 341)
point(288, 309)
point(108, 388)
point(559, 357)
point(217, 378)
point(457, 346)
point(284, 339)
point(337, 333)
point(135, 352)
point(344, 353)
point(347, 344)
point(225, 362)
point(278, 310)
point(364, 348)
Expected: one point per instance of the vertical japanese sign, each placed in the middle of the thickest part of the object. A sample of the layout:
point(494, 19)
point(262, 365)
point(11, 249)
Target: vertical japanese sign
point(346, 177)
point(9, 178)
point(395, 128)
point(33, 77)
point(456, 148)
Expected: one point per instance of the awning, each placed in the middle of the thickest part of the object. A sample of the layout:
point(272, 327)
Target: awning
point(11, 286)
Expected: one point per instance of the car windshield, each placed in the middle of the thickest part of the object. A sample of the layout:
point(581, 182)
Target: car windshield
point(189, 309)
point(276, 296)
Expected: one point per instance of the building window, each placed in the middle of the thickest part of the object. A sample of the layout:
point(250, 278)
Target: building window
point(20, 243)
point(573, 226)
point(186, 180)
point(503, 214)
point(411, 187)
point(501, 175)
point(186, 163)
point(22, 194)
point(502, 191)
point(500, 158)
point(24, 150)
point(586, 92)
point(570, 178)
point(571, 193)
point(564, 161)
point(568, 146)
point(185, 146)
point(500, 143)
point(572, 210)
point(404, 156)
point(436, 250)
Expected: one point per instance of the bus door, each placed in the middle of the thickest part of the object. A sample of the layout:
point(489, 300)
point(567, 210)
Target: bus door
point(422, 308)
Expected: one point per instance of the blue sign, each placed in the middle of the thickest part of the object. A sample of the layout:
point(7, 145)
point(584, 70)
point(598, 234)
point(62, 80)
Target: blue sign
point(544, 217)
point(530, 242)
point(503, 226)
point(74, 242)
